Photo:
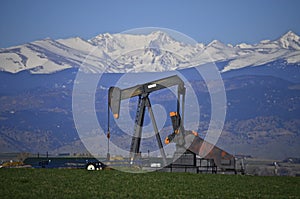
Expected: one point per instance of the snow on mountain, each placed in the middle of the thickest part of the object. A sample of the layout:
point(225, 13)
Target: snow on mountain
point(32, 56)
point(77, 43)
point(154, 52)
point(290, 41)
point(48, 56)
point(219, 51)
point(285, 48)
point(144, 53)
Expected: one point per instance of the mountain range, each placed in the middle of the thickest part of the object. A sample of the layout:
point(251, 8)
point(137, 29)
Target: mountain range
point(155, 52)
point(261, 81)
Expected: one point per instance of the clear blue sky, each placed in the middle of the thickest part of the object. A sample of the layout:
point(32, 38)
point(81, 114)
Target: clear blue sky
point(231, 21)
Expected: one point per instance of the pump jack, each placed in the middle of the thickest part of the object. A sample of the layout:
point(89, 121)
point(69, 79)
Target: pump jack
point(143, 91)
point(185, 140)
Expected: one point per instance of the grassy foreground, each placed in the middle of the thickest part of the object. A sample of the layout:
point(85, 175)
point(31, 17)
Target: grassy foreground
point(65, 183)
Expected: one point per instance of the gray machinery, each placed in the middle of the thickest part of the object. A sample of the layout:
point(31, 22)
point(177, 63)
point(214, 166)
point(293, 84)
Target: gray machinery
point(188, 143)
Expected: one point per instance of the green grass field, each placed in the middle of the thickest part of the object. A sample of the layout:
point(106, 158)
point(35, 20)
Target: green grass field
point(79, 183)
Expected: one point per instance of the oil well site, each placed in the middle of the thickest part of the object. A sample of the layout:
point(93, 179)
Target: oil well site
point(192, 153)
point(104, 99)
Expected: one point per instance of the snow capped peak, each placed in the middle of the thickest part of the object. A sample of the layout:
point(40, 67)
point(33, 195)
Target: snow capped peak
point(160, 35)
point(159, 39)
point(291, 35)
point(219, 45)
point(101, 39)
point(104, 36)
point(215, 43)
point(290, 41)
point(106, 41)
